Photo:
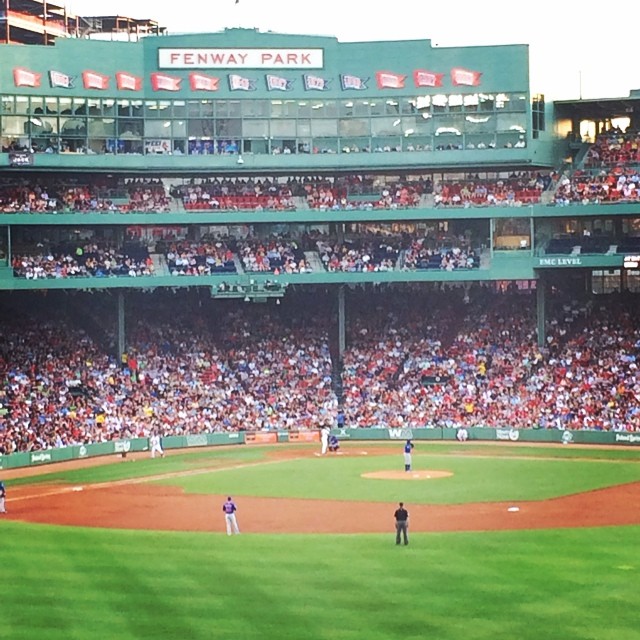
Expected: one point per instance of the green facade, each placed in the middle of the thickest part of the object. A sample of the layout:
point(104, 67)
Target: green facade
point(479, 104)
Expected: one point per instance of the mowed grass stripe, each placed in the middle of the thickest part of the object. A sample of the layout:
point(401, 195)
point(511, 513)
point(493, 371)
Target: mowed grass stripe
point(83, 583)
point(129, 468)
point(474, 480)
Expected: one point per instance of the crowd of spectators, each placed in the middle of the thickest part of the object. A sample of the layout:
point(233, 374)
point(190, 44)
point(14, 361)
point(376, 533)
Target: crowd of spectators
point(186, 371)
point(185, 258)
point(234, 194)
point(275, 254)
point(614, 148)
point(359, 254)
point(610, 174)
point(346, 194)
point(423, 253)
point(326, 193)
point(492, 372)
point(83, 260)
point(516, 190)
point(54, 198)
point(414, 358)
point(148, 196)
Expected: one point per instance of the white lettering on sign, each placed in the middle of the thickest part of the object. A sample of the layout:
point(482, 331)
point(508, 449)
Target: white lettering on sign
point(560, 262)
point(240, 58)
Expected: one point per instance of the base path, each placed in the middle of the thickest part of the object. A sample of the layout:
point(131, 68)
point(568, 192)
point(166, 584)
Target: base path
point(137, 504)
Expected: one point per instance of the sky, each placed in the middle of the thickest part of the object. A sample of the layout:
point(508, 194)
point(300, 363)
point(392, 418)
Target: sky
point(571, 55)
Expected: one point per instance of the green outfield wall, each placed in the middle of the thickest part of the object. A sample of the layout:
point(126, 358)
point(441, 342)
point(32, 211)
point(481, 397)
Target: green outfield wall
point(493, 434)
point(125, 446)
point(116, 447)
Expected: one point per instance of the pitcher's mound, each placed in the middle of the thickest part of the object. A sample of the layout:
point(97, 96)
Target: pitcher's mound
point(407, 475)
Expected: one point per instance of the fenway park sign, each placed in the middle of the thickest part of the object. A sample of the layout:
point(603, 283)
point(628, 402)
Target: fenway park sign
point(240, 58)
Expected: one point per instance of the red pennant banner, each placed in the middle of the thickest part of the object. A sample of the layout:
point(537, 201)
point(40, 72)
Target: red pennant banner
point(128, 82)
point(95, 80)
point(163, 82)
point(201, 82)
point(424, 78)
point(24, 78)
point(465, 78)
point(388, 80)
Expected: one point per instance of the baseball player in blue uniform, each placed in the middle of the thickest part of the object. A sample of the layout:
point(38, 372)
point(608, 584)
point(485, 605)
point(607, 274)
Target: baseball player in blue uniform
point(229, 509)
point(408, 447)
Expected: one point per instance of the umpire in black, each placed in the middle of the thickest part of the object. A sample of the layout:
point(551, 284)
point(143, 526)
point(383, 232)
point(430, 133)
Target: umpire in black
point(402, 523)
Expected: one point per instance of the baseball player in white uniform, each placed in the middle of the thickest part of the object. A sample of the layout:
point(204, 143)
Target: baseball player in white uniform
point(155, 445)
point(324, 438)
point(3, 493)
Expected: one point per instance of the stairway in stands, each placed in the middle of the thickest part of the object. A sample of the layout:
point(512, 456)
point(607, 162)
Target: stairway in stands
point(160, 264)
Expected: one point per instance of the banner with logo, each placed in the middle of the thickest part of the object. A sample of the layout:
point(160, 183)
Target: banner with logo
point(261, 437)
point(240, 83)
point(60, 80)
point(315, 83)
point(25, 78)
point(278, 83)
point(356, 83)
point(95, 80)
point(128, 82)
point(304, 436)
point(163, 82)
point(424, 78)
point(465, 78)
point(389, 80)
point(202, 82)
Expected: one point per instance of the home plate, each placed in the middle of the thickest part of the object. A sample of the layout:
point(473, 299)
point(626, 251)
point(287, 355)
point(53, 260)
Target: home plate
point(513, 509)
point(77, 488)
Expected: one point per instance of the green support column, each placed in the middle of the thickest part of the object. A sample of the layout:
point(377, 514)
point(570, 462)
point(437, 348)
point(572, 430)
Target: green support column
point(541, 312)
point(122, 345)
point(342, 341)
point(491, 226)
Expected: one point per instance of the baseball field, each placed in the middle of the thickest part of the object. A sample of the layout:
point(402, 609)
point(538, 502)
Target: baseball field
point(506, 541)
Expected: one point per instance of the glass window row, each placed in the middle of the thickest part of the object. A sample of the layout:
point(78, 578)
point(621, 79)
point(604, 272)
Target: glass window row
point(237, 135)
point(225, 127)
point(316, 108)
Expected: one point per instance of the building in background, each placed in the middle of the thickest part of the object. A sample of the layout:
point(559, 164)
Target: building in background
point(41, 22)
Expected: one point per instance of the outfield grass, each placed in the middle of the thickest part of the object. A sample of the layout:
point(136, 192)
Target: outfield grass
point(63, 584)
point(475, 479)
point(175, 462)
